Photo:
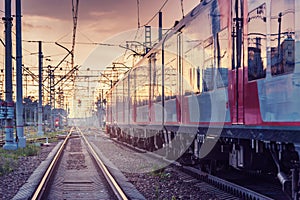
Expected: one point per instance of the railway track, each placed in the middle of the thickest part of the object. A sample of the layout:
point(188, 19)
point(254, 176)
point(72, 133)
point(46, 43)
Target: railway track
point(145, 161)
point(76, 172)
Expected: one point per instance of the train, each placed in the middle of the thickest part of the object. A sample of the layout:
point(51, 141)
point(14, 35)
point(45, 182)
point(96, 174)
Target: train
point(220, 89)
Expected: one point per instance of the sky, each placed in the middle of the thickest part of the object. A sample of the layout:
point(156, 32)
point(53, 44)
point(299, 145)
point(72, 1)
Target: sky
point(99, 21)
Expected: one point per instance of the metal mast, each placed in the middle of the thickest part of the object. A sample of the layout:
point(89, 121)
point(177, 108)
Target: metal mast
point(40, 106)
point(19, 105)
point(75, 17)
point(9, 124)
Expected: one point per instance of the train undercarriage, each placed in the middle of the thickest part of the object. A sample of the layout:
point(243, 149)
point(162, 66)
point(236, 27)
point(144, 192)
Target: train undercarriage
point(249, 150)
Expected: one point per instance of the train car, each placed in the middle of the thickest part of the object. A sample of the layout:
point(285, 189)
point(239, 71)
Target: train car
point(222, 88)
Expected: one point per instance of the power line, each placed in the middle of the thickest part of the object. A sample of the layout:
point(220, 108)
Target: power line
point(84, 35)
point(157, 13)
point(82, 43)
point(63, 36)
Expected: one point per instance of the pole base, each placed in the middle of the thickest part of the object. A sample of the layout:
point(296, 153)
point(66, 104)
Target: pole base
point(22, 142)
point(10, 146)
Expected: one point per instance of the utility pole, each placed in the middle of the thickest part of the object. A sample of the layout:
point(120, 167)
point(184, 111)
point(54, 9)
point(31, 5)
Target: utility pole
point(9, 125)
point(19, 105)
point(40, 108)
point(52, 95)
point(75, 18)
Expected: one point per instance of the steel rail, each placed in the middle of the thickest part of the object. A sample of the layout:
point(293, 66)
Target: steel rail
point(43, 183)
point(227, 186)
point(120, 194)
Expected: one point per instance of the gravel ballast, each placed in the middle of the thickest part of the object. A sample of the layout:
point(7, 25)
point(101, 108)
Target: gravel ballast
point(150, 175)
point(11, 183)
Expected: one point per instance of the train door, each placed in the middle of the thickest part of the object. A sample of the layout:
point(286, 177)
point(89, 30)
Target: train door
point(236, 77)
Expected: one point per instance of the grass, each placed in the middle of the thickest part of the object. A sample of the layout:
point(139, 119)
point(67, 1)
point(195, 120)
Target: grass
point(31, 134)
point(9, 159)
point(160, 172)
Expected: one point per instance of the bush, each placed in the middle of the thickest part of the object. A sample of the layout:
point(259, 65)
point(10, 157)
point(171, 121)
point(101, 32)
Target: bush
point(7, 165)
point(29, 150)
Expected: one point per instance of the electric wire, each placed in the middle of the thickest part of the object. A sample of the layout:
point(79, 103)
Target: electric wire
point(156, 13)
point(63, 36)
point(82, 43)
point(84, 35)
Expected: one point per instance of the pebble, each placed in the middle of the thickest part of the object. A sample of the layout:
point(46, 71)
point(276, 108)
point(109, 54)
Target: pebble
point(164, 185)
point(10, 183)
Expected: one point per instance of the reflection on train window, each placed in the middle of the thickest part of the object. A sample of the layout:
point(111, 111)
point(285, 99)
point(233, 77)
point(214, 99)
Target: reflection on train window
point(192, 60)
point(171, 75)
point(257, 55)
point(222, 55)
point(282, 37)
point(208, 71)
point(142, 85)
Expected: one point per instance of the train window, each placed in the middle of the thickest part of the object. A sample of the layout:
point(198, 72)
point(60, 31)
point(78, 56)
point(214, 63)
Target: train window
point(257, 54)
point(156, 77)
point(192, 61)
point(208, 71)
point(171, 75)
point(198, 54)
point(142, 85)
point(222, 58)
point(282, 37)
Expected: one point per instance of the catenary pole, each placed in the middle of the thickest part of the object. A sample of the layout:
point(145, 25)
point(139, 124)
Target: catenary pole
point(40, 108)
point(19, 103)
point(160, 26)
point(9, 129)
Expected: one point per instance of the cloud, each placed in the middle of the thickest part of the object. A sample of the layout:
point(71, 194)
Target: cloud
point(51, 20)
point(38, 22)
point(88, 9)
point(101, 13)
point(30, 26)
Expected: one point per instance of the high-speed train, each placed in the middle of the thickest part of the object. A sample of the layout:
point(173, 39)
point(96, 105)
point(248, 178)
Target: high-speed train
point(222, 88)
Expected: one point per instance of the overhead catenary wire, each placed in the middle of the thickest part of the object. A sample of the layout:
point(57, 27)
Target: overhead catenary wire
point(22, 47)
point(82, 43)
point(84, 35)
point(166, 1)
point(64, 36)
point(148, 22)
